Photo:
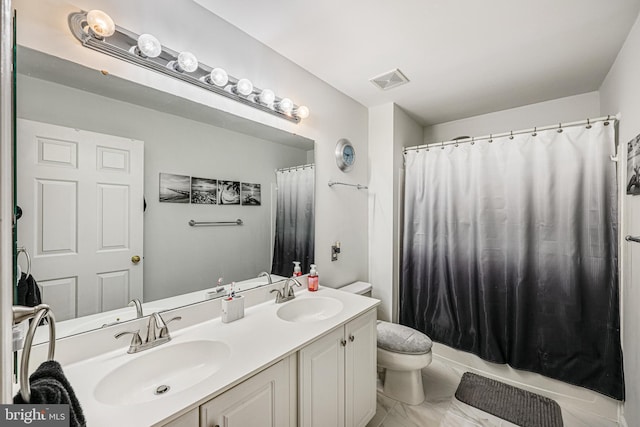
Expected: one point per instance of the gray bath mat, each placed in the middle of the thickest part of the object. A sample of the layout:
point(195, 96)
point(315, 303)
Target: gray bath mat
point(510, 403)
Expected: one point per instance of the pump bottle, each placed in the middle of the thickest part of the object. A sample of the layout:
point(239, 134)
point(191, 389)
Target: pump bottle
point(312, 279)
point(297, 271)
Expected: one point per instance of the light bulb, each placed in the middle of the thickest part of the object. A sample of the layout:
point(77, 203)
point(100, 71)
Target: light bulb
point(302, 112)
point(100, 24)
point(244, 87)
point(149, 46)
point(285, 105)
point(266, 97)
point(219, 77)
point(187, 61)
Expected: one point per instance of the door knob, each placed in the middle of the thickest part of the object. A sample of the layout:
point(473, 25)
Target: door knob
point(135, 259)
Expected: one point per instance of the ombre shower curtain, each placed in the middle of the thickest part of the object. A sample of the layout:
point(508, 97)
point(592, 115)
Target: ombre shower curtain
point(295, 223)
point(510, 253)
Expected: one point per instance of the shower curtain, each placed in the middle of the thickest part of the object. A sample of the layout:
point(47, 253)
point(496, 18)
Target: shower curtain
point(510, 252)
point(294, 237)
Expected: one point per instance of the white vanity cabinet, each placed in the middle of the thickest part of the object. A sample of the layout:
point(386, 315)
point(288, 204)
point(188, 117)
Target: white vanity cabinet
point(267, 399)
point(337, 376)
point(190, 419)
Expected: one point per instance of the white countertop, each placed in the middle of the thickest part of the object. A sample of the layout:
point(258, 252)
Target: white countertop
point(256, 341)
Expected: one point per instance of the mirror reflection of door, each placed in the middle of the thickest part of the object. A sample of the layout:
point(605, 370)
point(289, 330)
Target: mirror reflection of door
point(81, 194)
point(180, 137)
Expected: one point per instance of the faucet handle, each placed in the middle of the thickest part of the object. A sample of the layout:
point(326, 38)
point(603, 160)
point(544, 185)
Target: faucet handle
point(136, 341)
point(164, 331)
point(166, 322)
point(279, 297)
point(290, 292)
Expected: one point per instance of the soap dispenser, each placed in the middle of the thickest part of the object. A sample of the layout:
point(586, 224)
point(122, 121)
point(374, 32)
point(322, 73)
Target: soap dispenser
point(297, 271)
point(312, 279)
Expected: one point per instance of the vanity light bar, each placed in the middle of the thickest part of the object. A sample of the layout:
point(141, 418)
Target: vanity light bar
point(123, 44)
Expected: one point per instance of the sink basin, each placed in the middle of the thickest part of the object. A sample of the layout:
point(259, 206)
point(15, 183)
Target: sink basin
point(310, 309)
point(163, 371)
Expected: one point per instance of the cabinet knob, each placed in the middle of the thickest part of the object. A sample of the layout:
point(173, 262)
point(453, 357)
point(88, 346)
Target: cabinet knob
point(351, 338)
point(343, 342)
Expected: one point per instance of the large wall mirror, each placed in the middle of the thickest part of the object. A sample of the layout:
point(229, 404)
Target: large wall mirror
point(109, 175)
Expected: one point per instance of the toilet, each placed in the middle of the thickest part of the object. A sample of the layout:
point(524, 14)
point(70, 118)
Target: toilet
point(402, 352)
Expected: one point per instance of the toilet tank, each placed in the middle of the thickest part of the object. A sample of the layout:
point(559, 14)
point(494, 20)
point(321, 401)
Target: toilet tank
point(360, 288)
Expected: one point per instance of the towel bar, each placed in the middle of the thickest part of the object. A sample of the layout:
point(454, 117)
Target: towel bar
point(23, 250)
point(358, 186)
point(20, 314)
point(195, 223)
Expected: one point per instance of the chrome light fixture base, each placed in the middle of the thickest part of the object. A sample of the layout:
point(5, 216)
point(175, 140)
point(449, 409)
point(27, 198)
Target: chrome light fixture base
point(119, 46)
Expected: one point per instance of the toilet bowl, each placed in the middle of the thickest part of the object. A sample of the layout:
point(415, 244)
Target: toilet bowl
point(402, 353)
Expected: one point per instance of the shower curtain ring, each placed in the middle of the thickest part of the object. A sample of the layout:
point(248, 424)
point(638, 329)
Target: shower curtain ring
point(511, 135)
point(442, 145)
point(606, 122)
point(535, 131)
point(473, 140)
point(490, 138)
point(559, 128)
point(589, 124)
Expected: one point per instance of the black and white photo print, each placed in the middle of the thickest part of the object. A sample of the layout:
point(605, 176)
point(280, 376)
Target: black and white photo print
point(250, 194)
point(174, 188)
point(204, 191)
point(229, 192)
point(633, 166)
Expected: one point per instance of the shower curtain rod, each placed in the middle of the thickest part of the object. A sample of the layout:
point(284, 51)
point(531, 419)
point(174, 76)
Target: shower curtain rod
point(292, 168)
point(474, 139)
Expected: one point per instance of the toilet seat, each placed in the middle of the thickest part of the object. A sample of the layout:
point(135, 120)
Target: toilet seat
point(402, 339)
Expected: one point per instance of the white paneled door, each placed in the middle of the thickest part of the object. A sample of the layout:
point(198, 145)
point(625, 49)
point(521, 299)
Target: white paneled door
point(81, 195)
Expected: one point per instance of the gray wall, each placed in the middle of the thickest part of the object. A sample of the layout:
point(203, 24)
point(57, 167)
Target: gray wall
point(569, 109)
point(620, 94)
point(179, 258)
point(342, 212)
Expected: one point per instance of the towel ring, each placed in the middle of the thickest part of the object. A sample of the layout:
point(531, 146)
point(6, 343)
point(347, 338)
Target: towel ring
point(39, 312)
point(23, 250)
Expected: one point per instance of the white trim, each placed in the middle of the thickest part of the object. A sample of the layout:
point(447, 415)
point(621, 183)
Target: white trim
point(622, 421)
point(6, 200)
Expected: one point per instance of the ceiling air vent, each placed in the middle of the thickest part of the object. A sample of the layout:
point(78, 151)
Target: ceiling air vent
point(389, 80)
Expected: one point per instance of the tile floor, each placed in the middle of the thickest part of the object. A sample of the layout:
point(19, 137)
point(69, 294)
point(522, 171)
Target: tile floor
point(441, 409)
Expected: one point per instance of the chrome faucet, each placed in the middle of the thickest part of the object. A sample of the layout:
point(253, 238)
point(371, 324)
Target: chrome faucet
point(157, 333)
point(287, 292)
point(267, 275)
point(138, 305)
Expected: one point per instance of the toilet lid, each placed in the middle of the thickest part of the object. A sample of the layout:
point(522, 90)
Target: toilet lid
point(402, 339)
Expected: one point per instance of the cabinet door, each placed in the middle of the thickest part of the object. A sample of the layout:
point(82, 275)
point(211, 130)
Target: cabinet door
point(260, 401)
point(321, 382)
point(190, 419)
point(360, 362)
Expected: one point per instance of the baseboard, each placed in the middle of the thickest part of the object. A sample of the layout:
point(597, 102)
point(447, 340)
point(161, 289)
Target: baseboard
point(622, 421)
